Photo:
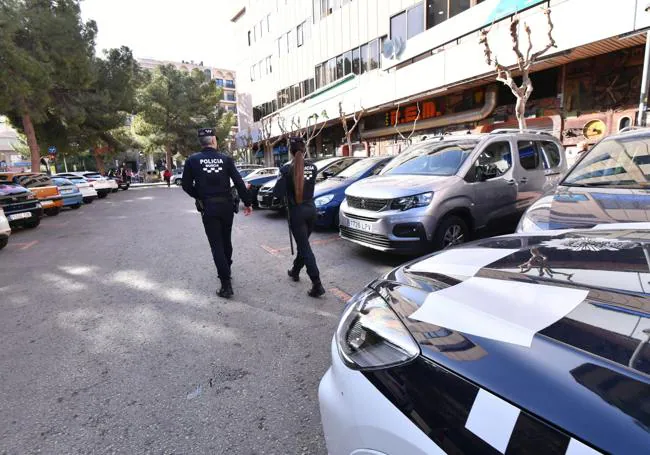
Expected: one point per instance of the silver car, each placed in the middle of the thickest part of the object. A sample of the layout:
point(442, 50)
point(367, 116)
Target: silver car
point(436, 193)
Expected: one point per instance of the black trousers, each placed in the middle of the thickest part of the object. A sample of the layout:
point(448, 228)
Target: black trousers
point(302, 219)
point(218, 228)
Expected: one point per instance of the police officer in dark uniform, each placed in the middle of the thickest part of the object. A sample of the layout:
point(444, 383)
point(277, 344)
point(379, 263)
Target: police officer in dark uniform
point(206, 177)
point(296, 186)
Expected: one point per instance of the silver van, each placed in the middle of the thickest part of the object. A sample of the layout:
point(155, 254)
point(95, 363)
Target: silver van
point(436, 193)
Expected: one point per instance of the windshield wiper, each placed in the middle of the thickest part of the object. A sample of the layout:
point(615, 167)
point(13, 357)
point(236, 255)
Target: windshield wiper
point(588, 185)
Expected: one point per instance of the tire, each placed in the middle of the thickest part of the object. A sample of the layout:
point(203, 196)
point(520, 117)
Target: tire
point(3, 242)
point(88, 200)
point(101, 195)
point(75, 207)
point(115, 190)
point(125, 187)
point(451, 231)
point(33, 223)
point(52, 212)
point(178, 182)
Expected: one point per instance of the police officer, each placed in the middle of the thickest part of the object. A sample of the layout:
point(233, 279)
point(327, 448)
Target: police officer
point(296, 186)
point(206, 177)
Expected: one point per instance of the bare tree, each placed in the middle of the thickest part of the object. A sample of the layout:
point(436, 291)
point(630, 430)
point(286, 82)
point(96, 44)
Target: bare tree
point(407, 139)
point(356, 117)
point(267, 140)
point(524, 63)
point(311, 130)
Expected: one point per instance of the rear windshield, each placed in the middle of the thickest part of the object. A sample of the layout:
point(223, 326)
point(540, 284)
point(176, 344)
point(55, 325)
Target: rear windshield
point(61, 181)
point(618, 163)
point(33, 181)
point(438, 158)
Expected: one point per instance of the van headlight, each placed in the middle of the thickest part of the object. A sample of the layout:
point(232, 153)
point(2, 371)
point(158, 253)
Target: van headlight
point(409, 202)
point(323, 200)
point(370, 335)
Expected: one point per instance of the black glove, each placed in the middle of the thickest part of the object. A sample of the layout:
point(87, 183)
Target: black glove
point(199, 206)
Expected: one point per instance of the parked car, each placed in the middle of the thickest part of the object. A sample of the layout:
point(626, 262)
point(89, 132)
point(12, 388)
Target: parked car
point(20, 206)
point(327, 167)
point(260, 172)
point(517, 344)
point(246, 169)
point(177, 176)
point(72, 197)
point(88, 193)
point(42, 186)
point(329, 194)
point(438, 192)
point(122, 184)
point(99, 183)
point(609, 184)
point(254, 183)
point(5, 229)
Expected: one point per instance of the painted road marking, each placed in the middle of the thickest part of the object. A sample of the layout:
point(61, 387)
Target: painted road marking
point(339, 294)
point(271, 251)
point(23, 245)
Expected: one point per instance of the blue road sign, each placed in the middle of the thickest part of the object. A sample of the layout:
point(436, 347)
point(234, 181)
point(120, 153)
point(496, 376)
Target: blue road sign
point(51, 150)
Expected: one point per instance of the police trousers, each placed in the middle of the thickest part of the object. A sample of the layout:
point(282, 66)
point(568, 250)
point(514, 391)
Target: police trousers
point(218, 228)
point(302, 219)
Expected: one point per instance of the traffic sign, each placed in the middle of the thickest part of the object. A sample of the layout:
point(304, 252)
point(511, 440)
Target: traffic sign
point(51, 150)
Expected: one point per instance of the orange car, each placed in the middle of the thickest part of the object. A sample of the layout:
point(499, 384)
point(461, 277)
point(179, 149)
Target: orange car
point(40, 184)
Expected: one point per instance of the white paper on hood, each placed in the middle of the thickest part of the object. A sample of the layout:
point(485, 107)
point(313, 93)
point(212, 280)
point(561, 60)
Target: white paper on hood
point(506, 311)
point(461, 261)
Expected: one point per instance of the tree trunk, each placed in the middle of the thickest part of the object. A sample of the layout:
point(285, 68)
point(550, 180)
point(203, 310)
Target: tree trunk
point(520, 111)
point(168, 160)
point(35, 152)
point(349, 139)
point(99, 161)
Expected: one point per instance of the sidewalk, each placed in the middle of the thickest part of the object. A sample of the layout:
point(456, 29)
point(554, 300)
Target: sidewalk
point(146, 185)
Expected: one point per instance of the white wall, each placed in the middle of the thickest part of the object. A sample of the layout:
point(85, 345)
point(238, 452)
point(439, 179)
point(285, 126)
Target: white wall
point(362, 20)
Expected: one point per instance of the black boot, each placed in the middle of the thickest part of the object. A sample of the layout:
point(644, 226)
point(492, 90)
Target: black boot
point(295, 276)
point(226, 291)
point(317, 290)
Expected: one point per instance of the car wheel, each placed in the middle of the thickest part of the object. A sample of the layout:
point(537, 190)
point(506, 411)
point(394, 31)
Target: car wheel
point(33, 223)
point(451, 231)
point(88, 200)
point(52, 212)
point(114, 190)
point(126, 187)
point(75, 207)
point(3, 242)
point(178, 182)
point(102, 195)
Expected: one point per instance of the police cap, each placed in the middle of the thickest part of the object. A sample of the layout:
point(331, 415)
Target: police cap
point(206, 132)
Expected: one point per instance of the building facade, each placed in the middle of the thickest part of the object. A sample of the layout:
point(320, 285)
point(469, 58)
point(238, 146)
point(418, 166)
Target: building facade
point(224, 79)
point(416, 68)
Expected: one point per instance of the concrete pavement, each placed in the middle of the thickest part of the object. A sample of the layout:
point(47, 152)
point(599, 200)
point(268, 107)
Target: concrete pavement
point(113, 340)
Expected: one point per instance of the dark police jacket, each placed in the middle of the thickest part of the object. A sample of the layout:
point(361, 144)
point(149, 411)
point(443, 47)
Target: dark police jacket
point(285, 188)
point(206, 177)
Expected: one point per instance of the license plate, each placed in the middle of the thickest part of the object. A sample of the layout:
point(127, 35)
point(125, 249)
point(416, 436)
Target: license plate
point(67, 191)
point(260, 198)
point(360, 225)
point(19, 216)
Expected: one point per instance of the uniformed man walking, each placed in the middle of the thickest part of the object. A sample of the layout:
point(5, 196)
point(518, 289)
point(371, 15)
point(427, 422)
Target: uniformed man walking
point(206, 177)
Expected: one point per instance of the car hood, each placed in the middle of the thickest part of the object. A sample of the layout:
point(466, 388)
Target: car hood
point(8, 189)
point(587, 207)
point(258, 181)
point(271, 183)
point(394, 186)
point(332, 185)
point(568, 371)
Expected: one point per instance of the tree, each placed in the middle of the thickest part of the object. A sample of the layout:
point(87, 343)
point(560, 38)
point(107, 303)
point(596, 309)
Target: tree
point(174, 105)
point(407, 139)
point(524, 63)
point(356, 117)
point(310, 131)
point(267, 140)
point(45, 55)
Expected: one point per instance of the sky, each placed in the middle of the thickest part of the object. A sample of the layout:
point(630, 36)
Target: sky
point(198, 30)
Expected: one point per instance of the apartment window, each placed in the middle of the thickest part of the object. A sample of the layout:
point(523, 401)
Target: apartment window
point(269, 65)
point(311, 86)
point(458, 6)
point(255, 32)
point(373, 55)
point(259, 69)
point(437, 11)
point(364, 59)
point(299, 34)
point(356, 61)
point(219, 82)
point(331, 71)
point(339, 67)
point(230, 97)
point(268, 23)
point(295, 93)
point(230, 83)
point(289, 38)
point(408, 24)
point(252, 73)
point(261, 28)
point(319, 81)
point(279, 40)
point(347, 63)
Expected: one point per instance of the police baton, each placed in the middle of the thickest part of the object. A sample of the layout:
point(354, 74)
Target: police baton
point(286, 204)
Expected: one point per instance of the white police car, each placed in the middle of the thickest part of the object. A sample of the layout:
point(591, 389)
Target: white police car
point(523, 344)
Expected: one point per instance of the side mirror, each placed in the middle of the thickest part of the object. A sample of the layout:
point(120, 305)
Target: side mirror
point(327, 174)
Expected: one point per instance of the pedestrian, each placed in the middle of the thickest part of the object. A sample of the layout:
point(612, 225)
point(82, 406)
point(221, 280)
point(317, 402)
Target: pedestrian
point(296, 186)
point(206, 178)
point(167, 175)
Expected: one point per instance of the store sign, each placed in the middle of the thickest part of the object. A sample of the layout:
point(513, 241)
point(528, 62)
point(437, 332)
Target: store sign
point(506, 8)
point(409, 114)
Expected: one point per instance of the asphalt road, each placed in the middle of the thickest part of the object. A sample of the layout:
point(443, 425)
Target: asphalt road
point(113, 340)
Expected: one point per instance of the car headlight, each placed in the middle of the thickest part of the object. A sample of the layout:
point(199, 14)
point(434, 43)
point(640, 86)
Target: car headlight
point(409, 202)
point(371, 336)
point(323, 200)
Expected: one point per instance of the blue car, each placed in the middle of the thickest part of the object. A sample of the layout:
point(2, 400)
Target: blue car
point(329, 194)
point(72, 197)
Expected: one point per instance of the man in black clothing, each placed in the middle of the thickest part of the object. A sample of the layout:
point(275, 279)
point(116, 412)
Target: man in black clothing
point(206, 177)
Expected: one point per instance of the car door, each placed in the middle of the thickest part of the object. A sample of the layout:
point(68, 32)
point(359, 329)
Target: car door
point(529, 173)
point(493, 187)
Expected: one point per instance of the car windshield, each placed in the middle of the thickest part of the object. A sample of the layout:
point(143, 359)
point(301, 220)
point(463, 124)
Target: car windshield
point(93, 176)
point(61, 181)
point(620, 163)
point(439, 158)
point(245, 172)
point(33, 181)
point(357, 169)
point(320, 164)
